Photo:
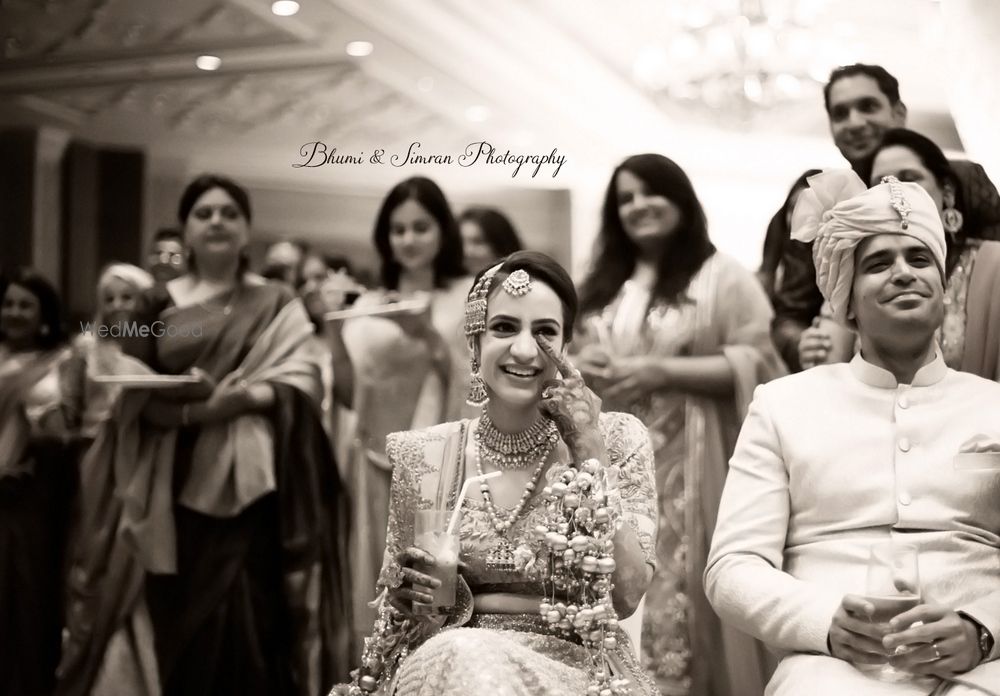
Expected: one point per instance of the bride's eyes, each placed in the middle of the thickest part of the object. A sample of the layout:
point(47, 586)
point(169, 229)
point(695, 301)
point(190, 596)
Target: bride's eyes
point(503, 327)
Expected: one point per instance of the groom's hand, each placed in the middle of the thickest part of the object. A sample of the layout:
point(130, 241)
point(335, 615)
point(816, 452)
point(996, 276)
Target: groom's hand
point(853, 637)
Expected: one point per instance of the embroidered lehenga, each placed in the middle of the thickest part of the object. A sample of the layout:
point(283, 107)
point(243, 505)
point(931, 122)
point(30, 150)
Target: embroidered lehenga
point(724, 311)
point(500, 654)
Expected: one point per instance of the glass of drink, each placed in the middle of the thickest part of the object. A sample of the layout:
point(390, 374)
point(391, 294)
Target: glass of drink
point(431, 535)
point(893, 588)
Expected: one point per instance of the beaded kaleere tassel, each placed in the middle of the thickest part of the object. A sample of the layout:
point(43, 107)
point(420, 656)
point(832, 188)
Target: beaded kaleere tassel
point(579, 531)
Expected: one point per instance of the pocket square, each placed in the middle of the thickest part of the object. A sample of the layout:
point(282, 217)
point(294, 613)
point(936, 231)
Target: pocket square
point(978, 453)
point(980, 444)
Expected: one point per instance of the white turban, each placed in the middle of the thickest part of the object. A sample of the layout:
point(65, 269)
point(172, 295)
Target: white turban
point(126, 272)
point(838, 211)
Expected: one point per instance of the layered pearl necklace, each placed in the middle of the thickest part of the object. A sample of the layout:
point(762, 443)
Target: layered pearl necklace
point(501, 557)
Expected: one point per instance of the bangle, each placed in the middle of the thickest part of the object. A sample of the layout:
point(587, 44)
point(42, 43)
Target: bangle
point(186, 414)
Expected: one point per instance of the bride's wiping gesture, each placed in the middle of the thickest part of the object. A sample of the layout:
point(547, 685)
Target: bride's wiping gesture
point(573, 406)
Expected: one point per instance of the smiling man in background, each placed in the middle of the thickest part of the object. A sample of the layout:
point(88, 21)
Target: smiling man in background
point(862, 103)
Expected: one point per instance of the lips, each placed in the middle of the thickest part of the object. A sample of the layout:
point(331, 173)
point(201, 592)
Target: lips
point(521, 371)
point(908, 295)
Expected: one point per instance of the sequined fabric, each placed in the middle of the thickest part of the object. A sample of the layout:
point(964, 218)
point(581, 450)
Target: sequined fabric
point(506, 656)
point(951, 335)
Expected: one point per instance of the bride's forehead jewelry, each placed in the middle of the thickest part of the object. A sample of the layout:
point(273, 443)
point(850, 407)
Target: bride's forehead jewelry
point(475, 305)
point(517, 283)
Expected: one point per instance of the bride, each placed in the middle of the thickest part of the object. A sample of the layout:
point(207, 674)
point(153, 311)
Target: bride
point(553, 552)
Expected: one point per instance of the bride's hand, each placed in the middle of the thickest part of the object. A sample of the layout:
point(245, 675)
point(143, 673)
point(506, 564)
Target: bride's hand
point(573, 406)
point(413, 585)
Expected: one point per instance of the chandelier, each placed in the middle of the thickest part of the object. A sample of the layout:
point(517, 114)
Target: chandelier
point(735, 59)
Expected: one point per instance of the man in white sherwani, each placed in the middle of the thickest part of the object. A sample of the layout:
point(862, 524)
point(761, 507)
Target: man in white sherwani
point(893, 446)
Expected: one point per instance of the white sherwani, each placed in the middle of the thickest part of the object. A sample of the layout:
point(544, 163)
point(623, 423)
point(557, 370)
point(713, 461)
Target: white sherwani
point(832, 460)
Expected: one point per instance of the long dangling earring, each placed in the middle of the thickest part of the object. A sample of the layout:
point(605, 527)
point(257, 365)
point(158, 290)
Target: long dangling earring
point(951, 217)
point(477, 387)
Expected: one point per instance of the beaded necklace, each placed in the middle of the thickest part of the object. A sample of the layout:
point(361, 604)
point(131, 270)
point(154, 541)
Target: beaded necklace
point(501, 557)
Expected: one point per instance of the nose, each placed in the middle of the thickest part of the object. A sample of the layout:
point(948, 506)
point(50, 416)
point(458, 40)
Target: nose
point(902, 272)
point(855, 119)
point(524, 349)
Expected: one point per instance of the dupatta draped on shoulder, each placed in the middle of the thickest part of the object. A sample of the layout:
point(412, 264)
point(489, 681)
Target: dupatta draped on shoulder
point(143, 484)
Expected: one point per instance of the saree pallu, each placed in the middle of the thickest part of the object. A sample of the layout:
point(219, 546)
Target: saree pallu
point(725, 312)
point(226, 543)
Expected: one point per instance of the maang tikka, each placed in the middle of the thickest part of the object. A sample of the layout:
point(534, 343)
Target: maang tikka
point(516, 284)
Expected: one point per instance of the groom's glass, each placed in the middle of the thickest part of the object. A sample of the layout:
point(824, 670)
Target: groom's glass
point(893, 587)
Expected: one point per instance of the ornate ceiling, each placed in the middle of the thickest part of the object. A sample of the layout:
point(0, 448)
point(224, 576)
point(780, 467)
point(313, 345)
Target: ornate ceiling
point(535, 74)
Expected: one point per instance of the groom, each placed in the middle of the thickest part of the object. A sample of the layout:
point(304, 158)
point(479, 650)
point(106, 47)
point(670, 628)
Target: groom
point(893, 446)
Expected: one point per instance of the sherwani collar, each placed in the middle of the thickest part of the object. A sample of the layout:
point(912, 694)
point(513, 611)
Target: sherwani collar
point(931, 373)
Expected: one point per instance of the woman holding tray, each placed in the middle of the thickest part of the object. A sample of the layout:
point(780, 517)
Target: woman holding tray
point(399, 370)
point(211, 555)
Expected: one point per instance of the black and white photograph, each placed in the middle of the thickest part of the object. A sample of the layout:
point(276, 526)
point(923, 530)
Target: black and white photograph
point(513, 348)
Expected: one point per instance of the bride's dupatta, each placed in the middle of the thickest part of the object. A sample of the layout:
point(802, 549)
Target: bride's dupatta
point(130, 499)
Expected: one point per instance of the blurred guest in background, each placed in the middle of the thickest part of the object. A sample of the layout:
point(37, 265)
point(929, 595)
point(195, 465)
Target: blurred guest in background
point(211, 561)
point(167, 258)
point(405, 369)
point(37, 481)
point(970, 334)
point(862, 103)
point(772, 270)
point(677, 334)
point(282, 261)
point(487, 236)
point(121, 293)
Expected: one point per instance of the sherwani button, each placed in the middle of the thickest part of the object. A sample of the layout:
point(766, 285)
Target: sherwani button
point(905, 498)
point(904, 402)
point(904, 445)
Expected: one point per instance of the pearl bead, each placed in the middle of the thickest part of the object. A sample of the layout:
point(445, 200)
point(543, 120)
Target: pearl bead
point(589, 564)
point(572, 500)
point(368, 683)
point(606, 565)
point(553, 616)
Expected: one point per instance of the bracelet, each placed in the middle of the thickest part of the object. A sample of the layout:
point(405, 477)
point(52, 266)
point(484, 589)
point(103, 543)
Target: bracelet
point(186, 414)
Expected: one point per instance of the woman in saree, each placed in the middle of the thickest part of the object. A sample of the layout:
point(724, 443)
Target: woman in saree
point(970, 336)
point(214, 537)
point(677, 334)
point(540, 426)
point(37, 481)
point(404, 370)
